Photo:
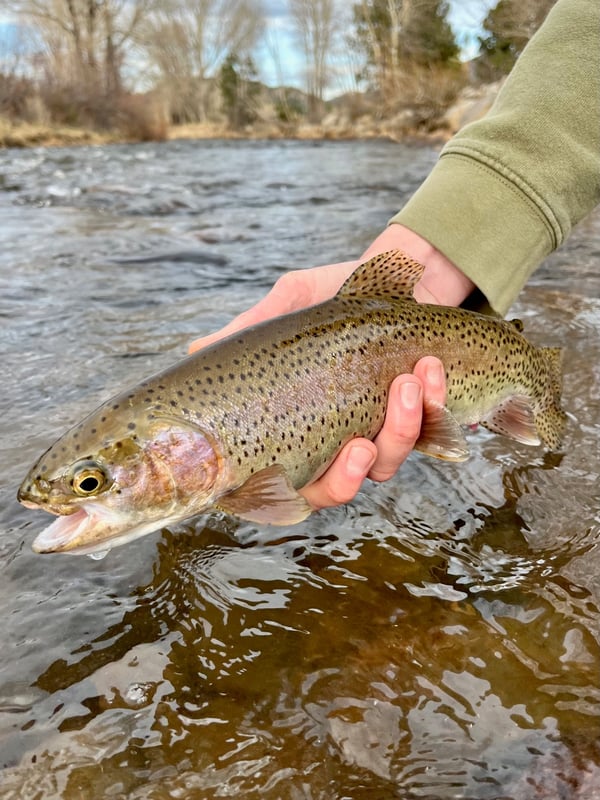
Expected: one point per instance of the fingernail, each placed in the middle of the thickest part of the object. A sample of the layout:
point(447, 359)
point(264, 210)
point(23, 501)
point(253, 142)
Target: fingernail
point(360, 461)
point(410, 395)
point(435, 375)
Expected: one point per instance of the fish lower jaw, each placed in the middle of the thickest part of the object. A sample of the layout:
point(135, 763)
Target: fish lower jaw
point(64, 534)
point(80, 533)
point(30, 504)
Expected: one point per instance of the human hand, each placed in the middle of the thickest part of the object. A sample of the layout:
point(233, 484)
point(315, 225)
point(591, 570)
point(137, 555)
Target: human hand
point(380, 459)
point(361, 458)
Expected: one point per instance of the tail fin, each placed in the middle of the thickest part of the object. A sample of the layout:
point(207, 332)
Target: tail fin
point(554, 359)
point(550, 424)
point(551, 421)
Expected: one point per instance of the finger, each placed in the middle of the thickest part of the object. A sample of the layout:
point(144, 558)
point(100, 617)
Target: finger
point(401, 426)
point(432, 374)
point(344, 477)
point(244, 320)
point(404, 415)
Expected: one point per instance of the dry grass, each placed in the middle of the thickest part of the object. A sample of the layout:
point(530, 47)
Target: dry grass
point(26, 134)
point(136, 119)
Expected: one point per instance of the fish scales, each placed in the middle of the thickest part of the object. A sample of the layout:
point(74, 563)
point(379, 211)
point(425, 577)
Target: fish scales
point(246, 422)
point(309, 388)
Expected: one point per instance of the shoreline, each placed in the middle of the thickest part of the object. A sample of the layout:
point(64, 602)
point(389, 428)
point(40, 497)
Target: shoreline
point(471, 104)
point(29, 136)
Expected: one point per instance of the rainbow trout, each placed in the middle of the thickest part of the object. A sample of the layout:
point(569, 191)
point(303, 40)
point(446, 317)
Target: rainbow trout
point(244, 423)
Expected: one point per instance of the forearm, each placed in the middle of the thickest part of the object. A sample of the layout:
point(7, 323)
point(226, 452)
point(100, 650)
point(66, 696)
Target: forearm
point(507, 189)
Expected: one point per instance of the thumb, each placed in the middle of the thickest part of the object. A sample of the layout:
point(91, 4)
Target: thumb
point(292, 291)
point(289, 293)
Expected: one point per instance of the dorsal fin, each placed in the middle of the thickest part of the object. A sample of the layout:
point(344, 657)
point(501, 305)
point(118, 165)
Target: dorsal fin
point(392, 275)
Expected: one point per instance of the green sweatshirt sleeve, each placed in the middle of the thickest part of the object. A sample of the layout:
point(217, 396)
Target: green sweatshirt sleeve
point(507, 189)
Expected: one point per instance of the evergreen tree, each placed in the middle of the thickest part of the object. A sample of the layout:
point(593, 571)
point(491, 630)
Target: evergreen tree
point(395, 34)
point(429, 38)
point(508, 27)
point(238, 82)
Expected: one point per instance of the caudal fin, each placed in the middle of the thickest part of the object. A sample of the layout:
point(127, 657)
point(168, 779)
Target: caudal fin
point(554, 358)
point(550, 424)
point(551, 421)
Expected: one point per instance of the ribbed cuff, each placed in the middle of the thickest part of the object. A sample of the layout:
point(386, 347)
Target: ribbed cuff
point(483, 223)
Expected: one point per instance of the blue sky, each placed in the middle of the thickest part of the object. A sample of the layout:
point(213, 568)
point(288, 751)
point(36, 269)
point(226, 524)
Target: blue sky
point(278, 58)
point(466, 17)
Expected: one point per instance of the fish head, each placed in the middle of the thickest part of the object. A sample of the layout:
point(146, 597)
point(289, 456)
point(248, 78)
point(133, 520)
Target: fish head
point(115, 486)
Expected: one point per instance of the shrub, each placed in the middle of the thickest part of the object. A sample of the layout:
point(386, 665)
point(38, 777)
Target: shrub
point(140, 118)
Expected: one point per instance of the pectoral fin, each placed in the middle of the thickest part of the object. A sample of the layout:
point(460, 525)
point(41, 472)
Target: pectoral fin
point(441, 435)
point(267, 497)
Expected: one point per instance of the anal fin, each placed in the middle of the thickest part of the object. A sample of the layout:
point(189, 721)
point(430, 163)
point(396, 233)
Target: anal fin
point(267, 497)
point(514, 418)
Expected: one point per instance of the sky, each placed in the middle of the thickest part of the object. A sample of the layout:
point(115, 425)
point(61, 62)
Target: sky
point(278, 58)
point(466, 17)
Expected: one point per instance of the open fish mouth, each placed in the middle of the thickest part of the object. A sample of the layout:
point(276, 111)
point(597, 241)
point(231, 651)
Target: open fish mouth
point(95, 530)
point(63, 533)
point(88, 530)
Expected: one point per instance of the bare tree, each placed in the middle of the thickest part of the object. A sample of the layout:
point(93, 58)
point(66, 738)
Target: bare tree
point(89, 38)
point(379, 28)
point(186, 41)
point(315, 24)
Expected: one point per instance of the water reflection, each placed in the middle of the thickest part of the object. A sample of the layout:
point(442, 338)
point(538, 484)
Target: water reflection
point(239, 667)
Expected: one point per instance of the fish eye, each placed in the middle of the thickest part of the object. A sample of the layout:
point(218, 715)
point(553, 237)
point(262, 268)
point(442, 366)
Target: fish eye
point(88, 478)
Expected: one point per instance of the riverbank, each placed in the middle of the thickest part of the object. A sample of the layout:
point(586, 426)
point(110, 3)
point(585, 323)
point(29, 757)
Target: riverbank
point(339, 124)
point(26, 135)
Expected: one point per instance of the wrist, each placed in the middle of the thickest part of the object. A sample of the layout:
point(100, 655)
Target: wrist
point(442, 282)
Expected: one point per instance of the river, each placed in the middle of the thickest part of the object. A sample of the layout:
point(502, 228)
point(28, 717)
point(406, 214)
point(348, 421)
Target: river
point(437, 638)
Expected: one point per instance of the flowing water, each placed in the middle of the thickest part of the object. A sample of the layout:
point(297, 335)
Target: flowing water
point(437, 638)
